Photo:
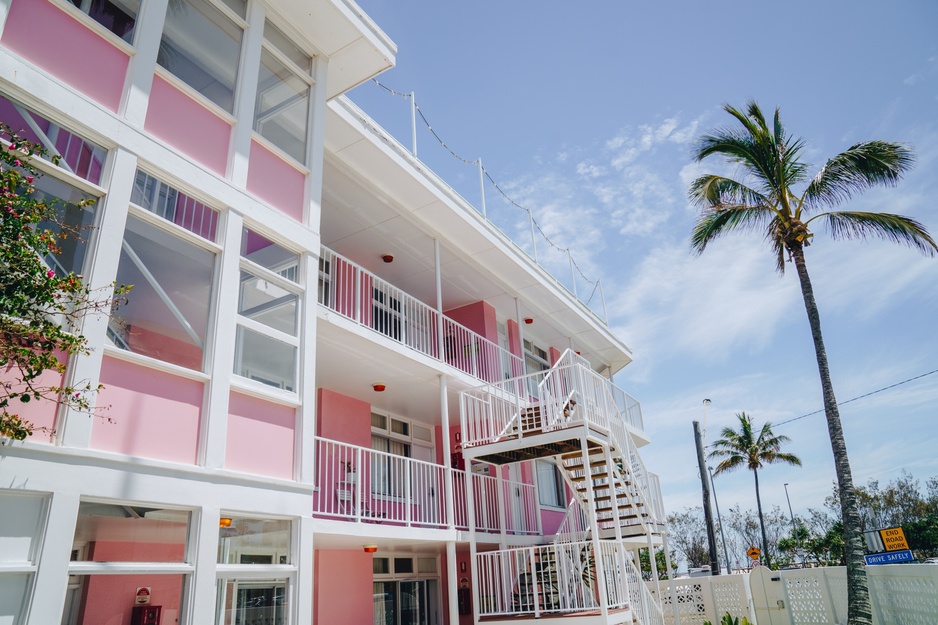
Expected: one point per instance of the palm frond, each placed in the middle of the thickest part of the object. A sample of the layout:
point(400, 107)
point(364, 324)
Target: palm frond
point(714, 223)
point(772, 235)
point(862, 166)
point(895, 228)
point(718, 191)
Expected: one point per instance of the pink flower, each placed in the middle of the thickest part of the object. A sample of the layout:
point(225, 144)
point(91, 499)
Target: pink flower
point(17, 162)
point(30, 179)
point(50, 274)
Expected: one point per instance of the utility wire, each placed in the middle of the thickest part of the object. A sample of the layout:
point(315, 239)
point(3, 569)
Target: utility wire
point(879, 390)
point(501, 191)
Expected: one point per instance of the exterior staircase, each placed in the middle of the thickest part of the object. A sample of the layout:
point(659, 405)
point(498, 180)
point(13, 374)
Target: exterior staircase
point(573, 417)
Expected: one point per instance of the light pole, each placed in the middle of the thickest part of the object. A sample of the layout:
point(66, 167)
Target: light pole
point(726, 554)
point(792, 514)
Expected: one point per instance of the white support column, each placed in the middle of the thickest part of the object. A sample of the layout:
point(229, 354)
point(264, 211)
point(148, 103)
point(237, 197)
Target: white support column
point(139, 80)
point(201, 607)
point(653, 563)
point(438, 272)
point(304, 440)
point(448, 492)
point(220, 343)
point(305, 554)
point(500, 502)
point(520, 321)
point(473, 569)
point(594, 524)
point(667, 560)
point(315, 143)
point(245, 94)
point(452, 583)
point(74, 427)
point(51, 579)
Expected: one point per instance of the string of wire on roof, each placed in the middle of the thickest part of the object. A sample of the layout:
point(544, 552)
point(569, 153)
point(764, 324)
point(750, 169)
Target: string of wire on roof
point(488, 176)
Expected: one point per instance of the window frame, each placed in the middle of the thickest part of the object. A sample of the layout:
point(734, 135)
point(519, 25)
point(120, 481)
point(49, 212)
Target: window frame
point(307, 76)
point(257, 270)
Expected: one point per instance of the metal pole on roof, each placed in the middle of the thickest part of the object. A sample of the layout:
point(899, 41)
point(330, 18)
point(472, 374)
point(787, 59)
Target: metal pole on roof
point(572, 272)
point(482, 184)
point(602, 298)
point(533, 241)
point(413, 123)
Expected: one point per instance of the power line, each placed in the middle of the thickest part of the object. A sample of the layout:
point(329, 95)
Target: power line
point(879, 390)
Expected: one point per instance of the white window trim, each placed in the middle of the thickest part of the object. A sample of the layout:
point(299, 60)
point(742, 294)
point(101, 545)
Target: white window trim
point(127, 48)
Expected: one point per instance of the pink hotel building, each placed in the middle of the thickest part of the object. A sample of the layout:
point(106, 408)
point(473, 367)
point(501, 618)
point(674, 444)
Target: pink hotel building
point(337, 394)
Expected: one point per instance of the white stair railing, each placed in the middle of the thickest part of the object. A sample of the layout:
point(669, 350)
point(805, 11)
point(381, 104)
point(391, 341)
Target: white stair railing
point(644, 606)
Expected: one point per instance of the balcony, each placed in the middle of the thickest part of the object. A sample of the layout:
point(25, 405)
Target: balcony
point(360, 296)
point(363, 485)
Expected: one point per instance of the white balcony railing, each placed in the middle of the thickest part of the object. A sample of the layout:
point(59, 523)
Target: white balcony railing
point(551, 579)
point(569, 393)
point(363, 485)
point(519, 508)
point(359, 295)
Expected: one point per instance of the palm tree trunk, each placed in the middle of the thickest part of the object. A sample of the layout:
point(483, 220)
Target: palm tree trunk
point(765, 541)
point(859, 610)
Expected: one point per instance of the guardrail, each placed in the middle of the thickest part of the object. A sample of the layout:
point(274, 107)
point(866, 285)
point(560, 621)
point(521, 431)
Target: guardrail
point(359, 295)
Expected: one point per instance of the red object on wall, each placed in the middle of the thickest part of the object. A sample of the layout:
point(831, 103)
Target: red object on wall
point(146, 615)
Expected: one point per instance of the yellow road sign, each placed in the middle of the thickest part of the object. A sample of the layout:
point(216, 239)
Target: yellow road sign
point(894, 539)
point(754, 552)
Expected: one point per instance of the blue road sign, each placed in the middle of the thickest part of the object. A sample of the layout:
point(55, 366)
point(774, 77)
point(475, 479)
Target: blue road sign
point(893, 557)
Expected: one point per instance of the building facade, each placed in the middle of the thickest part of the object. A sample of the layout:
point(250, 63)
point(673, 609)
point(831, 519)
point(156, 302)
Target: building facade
point(336, 393)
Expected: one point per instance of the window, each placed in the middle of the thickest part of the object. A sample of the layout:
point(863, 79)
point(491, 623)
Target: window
point(253, 586)
point(21, 521)
point(281, 110)
point(171, 204)
point(406, 591)
point(149, 542)
point(201, 46)
point(167, 311)
point(551, 490)
point(397, 439)
point(118, 16)
point(267, 340)
point(79, 156)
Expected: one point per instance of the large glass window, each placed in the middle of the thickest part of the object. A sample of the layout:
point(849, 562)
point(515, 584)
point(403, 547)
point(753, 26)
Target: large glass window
point(267, 340)
point(21, 517)
point(118, 16)
point(283, 86)
point(166, 314)
point(201, 46)
point(150, 541)
point(78, 155)
point(249, 548)
point(406, 591)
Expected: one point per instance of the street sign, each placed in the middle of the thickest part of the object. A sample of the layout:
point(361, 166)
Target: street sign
point(754, 552)
point(892, 557)
point(894, 539)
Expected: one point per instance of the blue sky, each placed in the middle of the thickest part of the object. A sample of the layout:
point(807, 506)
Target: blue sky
point(585, 112)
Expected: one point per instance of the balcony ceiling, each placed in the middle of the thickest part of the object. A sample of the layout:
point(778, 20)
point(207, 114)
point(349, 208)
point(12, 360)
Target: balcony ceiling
point(375, 202)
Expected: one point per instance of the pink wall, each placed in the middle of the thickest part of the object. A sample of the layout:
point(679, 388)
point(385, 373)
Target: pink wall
point(555, 355)
point(260, 437)
point(154, 414)
point(478, 317)
point(44, 34)
point(342, 588)
point(110, 598)
point(551, 520)
point(40, 413)
point(272, 179)
point(343, 418)
point(187, 125)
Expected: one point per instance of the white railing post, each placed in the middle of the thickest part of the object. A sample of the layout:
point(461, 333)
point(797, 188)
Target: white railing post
point(473, 555)
point(500, 502)
point(408, 475)
point(357, 296)
point(532, 567)
point(357, 486)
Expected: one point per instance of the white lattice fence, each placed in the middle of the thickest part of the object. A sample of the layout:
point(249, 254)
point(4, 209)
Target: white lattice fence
point(902, 594)
point(702, 599)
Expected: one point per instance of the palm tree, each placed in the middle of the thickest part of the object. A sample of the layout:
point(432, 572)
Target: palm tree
point(743, 447)
point(768, 203)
